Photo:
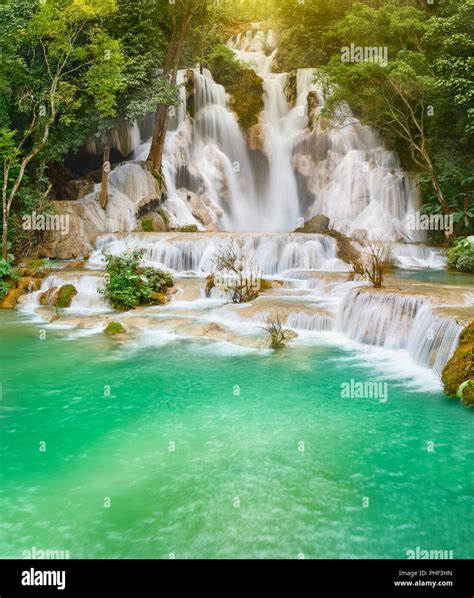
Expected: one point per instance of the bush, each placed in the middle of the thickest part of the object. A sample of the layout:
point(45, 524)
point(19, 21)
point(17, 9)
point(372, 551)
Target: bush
point(277, 335)
point(8, 276)
point(129, 285)
point(461, 256)
point(224, 66)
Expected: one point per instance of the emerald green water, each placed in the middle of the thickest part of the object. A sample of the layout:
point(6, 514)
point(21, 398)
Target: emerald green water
point(227, 446)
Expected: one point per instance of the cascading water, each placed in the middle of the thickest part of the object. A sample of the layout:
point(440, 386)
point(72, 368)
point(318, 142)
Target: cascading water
point(349, 176)
point(270, 254)
point(399, 322)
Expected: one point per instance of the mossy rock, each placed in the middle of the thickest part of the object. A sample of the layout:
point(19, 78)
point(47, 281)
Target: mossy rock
point(247, 98)
point(65, 295)
point(114, 328)
point(188, 228)
point(147, 225)
point(460, 368)
point(11, 298)
point(28, 283)
point(159, 298)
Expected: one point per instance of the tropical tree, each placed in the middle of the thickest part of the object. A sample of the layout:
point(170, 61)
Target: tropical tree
point(51, 61)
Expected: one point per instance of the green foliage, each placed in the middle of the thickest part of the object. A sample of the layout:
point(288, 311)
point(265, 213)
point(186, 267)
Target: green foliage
point(129, 285)
point(247, 98)
point(458, 188)
point(8, 276)
point(419, 101)
point(243, 84)
point(461, 256)
point(224, 66)
point(147, 225)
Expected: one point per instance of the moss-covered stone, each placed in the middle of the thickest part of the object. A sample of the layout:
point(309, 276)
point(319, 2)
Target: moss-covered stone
point(247, 98)
point(460, 368)
point(11, 298)
point(159, 298)
point(147, 225)
point(114, 328)
point(188, 228)
point(65, 295)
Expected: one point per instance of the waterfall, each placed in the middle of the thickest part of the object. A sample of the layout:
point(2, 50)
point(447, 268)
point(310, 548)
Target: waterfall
point(399, 322)
point(433, 339)
point(87, 301)
point(271, 254)
point(348, 174)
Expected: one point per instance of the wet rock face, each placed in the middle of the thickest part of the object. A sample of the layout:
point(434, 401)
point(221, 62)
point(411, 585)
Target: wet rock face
point(313, 104)
point(256, 138)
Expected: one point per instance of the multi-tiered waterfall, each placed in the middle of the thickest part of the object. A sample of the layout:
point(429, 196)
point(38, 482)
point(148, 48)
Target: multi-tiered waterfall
point(306, 166)
point(313, 168)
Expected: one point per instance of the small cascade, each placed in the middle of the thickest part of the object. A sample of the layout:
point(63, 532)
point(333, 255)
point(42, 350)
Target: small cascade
point(433, 339)
point(380, 319)
point(300, 320)
point(270, 254)
point(87, 301)
point(417, 256)
point(399, 322)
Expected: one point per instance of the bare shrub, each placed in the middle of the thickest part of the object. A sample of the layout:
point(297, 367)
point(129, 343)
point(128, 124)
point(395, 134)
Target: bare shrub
point(235, 272)
point(277, 335)
point(372, 264)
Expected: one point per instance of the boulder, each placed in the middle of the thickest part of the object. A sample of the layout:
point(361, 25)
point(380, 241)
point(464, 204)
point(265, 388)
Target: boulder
point(49, 296)
point(61, 297)
point(113, 328)
point(317, 224)
point(65, 295)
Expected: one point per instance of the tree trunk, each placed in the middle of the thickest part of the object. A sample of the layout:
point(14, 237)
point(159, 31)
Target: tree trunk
point(104, 191)
point(5, 232)
point(161, 126)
